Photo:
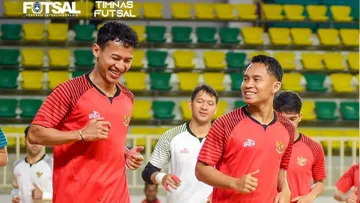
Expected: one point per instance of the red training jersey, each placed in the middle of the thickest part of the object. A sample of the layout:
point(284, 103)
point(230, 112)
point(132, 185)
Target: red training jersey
point(349, 179)
point(307, 164)
point(237, 144)
point(88, 171)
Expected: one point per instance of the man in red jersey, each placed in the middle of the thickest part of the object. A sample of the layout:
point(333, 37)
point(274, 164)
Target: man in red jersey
point(86, 119)
point(250, 147)
point(345, 183)
point(306, 173)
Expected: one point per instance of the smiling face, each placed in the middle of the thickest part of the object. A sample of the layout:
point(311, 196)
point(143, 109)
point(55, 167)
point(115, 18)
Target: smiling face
point(203, 106)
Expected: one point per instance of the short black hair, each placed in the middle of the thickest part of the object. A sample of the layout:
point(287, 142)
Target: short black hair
point(273, 66)
point(117, 31)
point(206, 88)
point(26, 131)
point(147, 185)
point(288, 102)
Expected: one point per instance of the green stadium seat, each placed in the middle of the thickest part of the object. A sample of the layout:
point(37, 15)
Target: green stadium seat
point(155, 34)
point(84, 58)
point(157, 59)
point(8, 79)
point(163, 109)
point(235, 60)
point(78, 73)
point(326, 110)
point(160, 80)
point(206, 34)
point(236, 80)
point(9, 57)
point(29, 107)
point(11, 31)
point(239, 103)
point(84, 32)
point(8, 108)
point(350, 110)
point(229, 35)
point(315, 82)
point(181, 34)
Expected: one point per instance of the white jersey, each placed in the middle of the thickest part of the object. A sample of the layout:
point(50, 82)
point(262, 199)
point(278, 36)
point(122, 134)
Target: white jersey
point(27, 175)
point(180, 148)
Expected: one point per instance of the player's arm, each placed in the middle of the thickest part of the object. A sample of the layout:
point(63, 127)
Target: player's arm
point(51, 136)
point(317, 190)
point(15, 185)
point(344, 184)
point(3, 150)
point(318, 171)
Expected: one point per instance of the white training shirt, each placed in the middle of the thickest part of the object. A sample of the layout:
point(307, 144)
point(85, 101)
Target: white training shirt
point(180, 148)
point(26, 175)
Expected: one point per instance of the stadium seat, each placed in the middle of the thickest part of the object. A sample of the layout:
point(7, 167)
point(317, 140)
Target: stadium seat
point(7, 129)
point(279, 36)
point(135, 81)
point(215, 80)
point(312, 61)
point(140, 31)
point(225, 11)
point(326, 110)
point(84, 32)
point(301, 36)
point(229, 35)
point(78, 73)
point(8, 108)
point(13, 8)
point(160, 81)
point(206, 34)
point(138, 57)
point(33, 31)
point(332, 133)
point(29, 107)
point(328, 36)
point(85, 8)
point(236, 80)
point(156, 59)
point(252, 35)
point(341, 13)
point(181, 10)
point(334, 61)
point(155, 34)
point(135, 11)
point(317, 12)
point(352, 133)
point(184, 59)
point(163, 109)
point(162, 130)
point(239, 103)
point(141, 110)
point(294, 12)
point(56, 78)
point(185, 110)
point(32, 80)
point(188, 81)
point(315, 82)
point(59, 57)
point(286, 59)
point(311, 132)
point(273, 11)
point(342, 82)
point(214, 59)
point(247, 11)
point(256, 53)
point(221, 109)
point(292, 81)
point(235, 60)
point(350, 37)
point(11, 31)
point(353, 61)
point(204, 11)
point(8, 79)
point(181, 34)
point(349, 110)
point(32, 57)
point(9, 57)
point(308, 110)
point(84, 58)
point(57, 31)
point(141, 141)
point(153, 10)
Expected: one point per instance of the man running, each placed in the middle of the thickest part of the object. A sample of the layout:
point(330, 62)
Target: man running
point(350, 179)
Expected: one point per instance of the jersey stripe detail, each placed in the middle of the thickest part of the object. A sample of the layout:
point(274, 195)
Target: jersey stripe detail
point(285, 160)
point(127, 92)
point(3, 140)
point(347, 180)
point(318, 168)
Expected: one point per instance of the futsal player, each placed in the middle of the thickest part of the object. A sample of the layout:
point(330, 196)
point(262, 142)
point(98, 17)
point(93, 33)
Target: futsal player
point(306, 173)
point(350, 179)
point(3, 150)
point(179, 147)
point(250, 146)
point(86, 119)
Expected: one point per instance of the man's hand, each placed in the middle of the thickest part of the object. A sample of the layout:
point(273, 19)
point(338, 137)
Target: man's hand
point(134, 158)
point(170, 180)
point(303, 199)
point(96, 129)
point(283, 197)
point(352, 198)
point(247, 183)
point(37, 193)
point(15, 199)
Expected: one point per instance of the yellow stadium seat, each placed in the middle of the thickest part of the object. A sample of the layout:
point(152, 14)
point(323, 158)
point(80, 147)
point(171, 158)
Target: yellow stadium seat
point(55, 78)
point(138, 57)
point(342, 82)
point(292, 81)
point(204, 11)
point(32, 57)
point(188, 81)
point(286, 59)
point(225, 11)
point(13, 8)
point(310, 132)
point(256, 53)
point(294, 12)
point(253, 35)
point(215, 80)
point(185, 109)
point(273, 11)
point(134, 11)
point(7, 129)
point(341, 13)
point(153, 10)
point(57, 31)
point(136, 131)
point(184, 59)
point(317, 12)
point(328, 36)
point(329, 132)
point(141, 110)
point(214, 59)
point(279, 36)
point(59, 57)
point(350, 37)
point(33, 31)
point(140, 30)
point(162, 130)
point(308, 110)
point(221, 109)
point(352, 133)
point(334, 61)
point(247, 11)
point(181, 10)
point(312, 61)
point(85, 8)
point(301, 36)
point(353, 61)
point(135, 81)
point(32, 79)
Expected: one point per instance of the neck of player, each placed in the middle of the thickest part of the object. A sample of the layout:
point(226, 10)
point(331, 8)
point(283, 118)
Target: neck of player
point(31, 159)
point(109, 89)
point(199, 129)
point(263, 113)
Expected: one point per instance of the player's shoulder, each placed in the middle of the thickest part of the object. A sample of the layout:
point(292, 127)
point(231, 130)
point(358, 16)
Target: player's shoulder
point(234, 116)
point(171, 133)
point(312, 144)
point(17, 163)
point(75, 84)
point(127, 92)
point(284, 121)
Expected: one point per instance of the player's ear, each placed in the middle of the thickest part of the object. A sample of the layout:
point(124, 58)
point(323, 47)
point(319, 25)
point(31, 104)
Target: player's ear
point(277, 87)
point(96, 50)
point(300, 116)
point(190, 105)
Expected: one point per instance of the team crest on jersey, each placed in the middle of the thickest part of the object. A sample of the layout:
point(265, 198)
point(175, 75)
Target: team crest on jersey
point(39, 174)
point(280, 148)
point(126, 120)
point(301, 161)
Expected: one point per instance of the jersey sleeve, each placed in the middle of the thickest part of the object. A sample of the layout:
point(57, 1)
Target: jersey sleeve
point(318, 169)
point(3, 140)
point(161, 154)
point(347, 180)
point(285, 160)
